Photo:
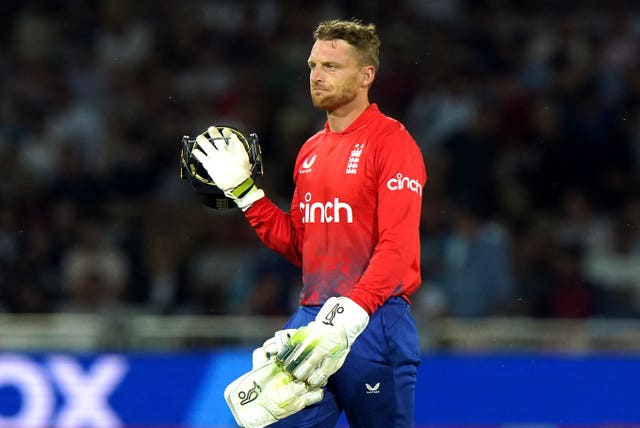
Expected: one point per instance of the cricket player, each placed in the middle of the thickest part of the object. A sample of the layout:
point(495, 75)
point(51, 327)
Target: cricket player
point(353, 228)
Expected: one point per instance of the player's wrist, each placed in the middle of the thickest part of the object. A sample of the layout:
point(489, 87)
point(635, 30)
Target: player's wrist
point(245, 193)
point(346, 313)
point(254, 194)
point(243, 188)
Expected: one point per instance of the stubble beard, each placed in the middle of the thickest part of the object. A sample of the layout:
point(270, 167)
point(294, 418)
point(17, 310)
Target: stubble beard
point(342, 95)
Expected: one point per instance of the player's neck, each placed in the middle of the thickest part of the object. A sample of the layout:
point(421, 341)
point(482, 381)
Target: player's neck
point(340, 118)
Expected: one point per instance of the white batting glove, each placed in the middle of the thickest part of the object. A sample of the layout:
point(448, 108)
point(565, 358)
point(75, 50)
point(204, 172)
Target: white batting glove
point(271, 347)
point(318, 350)
point(226, 161)
point(267, 394)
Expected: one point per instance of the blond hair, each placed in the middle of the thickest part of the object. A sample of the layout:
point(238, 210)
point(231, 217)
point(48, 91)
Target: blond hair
point(362, 37)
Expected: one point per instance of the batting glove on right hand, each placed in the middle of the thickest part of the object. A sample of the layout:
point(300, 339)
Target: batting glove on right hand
point(225, 159)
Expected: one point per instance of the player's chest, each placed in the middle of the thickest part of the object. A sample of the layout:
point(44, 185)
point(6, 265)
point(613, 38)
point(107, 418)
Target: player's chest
point(336, 169)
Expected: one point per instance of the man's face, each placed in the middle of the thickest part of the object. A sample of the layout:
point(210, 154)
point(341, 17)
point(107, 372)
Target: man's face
point(335, 76)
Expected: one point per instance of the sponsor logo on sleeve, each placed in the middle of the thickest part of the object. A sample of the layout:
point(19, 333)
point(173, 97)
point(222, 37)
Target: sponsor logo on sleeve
point(401, 182)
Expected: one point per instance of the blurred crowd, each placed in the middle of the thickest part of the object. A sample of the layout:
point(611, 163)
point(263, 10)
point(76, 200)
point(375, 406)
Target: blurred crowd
point(528, 114)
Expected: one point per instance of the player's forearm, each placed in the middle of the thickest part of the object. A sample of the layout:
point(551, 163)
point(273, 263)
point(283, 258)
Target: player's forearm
point(383, 279)
point(275, 228)
point(394, 267)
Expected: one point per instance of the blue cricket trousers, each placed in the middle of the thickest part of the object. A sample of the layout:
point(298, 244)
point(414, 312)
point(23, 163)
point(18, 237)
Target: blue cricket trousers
point(376, 385)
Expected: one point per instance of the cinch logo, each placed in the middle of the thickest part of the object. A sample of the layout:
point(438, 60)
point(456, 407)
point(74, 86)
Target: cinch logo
point(401, 182)
point(325, 212)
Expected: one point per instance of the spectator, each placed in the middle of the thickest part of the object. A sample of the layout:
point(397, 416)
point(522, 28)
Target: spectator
point(615, 267)
point(478, 281)
point(94, 271)
point(570, 294)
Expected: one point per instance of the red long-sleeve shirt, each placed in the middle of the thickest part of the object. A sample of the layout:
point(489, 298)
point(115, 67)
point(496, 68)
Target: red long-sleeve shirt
point(353, 225)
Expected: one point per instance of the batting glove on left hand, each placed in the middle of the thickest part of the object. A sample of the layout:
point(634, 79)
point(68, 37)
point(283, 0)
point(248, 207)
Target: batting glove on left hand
point(316, 351)
point(271, 347)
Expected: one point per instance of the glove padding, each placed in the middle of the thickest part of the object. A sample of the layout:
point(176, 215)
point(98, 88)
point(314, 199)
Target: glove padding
point(267, 394)
point(221, 165)
point(271, 347)
point(316, 351)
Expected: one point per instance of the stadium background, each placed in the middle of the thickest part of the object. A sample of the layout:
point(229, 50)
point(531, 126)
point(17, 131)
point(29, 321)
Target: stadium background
point(126, 303)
